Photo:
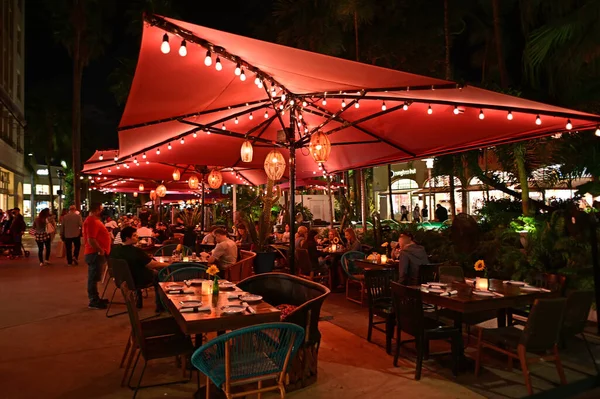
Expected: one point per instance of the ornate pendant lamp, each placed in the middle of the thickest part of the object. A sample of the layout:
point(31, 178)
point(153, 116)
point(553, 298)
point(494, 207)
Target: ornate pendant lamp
point(193, 182)
point(215, 179)
point(274, 165)
point(141, 187)
point(161, 191)
point(247, 151)
point(320, 147)
point(135, 194)
point(152, 195)
point(176, 174)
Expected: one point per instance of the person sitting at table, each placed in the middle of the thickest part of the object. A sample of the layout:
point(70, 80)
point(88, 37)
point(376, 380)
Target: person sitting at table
point(225, 252)
point(145, 231)
point(352, 242)
point(243, 238)
point(161, 232)
point(141, 265)
point(331, 238)
point(209, 237)
point(286, 234)
point(301, 236)
point(410, 256)
point(310, 244)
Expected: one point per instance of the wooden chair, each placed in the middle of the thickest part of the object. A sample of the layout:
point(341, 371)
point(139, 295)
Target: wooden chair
point(249, 355)
point(411, 319)
point(578, 308)
point(541, 334)
point(306, 269)
point(450, 274)
point(553, 282)
point(379, 297)
point(120, 272)
point(354, 274)
point(242, 268)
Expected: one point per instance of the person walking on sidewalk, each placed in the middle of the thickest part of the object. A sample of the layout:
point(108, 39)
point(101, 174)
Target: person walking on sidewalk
point(96, 249)
point(71, 229)
point(16, 227)
point(42, 235)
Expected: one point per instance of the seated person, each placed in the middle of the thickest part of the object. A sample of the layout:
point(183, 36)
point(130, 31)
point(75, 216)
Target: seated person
point(244, 240)
point(310, 244)
point(225, 252)
point(331, 238)
point(286, 234)
point(161, 232)
point(301, 236)
point(209, 238)
point(145, 231)
point(140, 263)
point(410, 256)
point(352, 242)
point(110, 224)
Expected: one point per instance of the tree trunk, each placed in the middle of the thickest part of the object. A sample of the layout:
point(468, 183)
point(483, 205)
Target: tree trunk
point(447, 40)
point(504, 81)
point(452, 196)
point(78, 23)
point(356, 34)
point(330, 197)
point(357, 195)
point(363, 200)
point(519, 151)
point(51, 191)
point(391, 202)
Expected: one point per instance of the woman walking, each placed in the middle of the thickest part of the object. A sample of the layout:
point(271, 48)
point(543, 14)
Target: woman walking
point(42, 237)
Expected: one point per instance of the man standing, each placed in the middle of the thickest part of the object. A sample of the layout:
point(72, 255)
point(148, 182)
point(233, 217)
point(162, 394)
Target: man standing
point(225, 252)
point(72, 231)
point(441, 213)
point(16, 230)
point(97, 247)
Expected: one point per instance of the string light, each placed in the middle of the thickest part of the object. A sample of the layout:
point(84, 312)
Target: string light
point(356, 104)
point(158, 151)
point(116, 158)
point(169, 146)
point(383, 107)
point(281, 106)
point(165, 47)
point(538, 120)
point(194, 135)
point(405, 106)
point(509, 116)
point(118, 167)
point(250, 116)
point(236, 120)
point(597, 133)
point(324, 102)
point(238, 69)
point(260, 84)
point(569, 125)
point(304, 103)
point(283, 97)
point(144, 155)
point(256, 80)
point(292, 102)
point(182, 141)
point(481, 115)
point(109, 170)
point(218, 65)
point(242, 75)
point(147, 162)
point(343, 103)
point(183, 49)
point(273, 90)
point(223, 127)
point(266, 114)
point(101, 157)
point(456, 111)
point(429, 110)
point(208, 59)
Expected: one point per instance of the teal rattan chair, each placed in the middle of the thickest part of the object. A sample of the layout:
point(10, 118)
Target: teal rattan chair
point(248, 355)
point(181, 271)
point(167, 250)
point(355, 274)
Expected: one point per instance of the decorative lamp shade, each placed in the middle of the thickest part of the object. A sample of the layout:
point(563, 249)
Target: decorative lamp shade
point(141, 187)
point(320, 147)
point(152, 195)
point(161, 191)
point(135, 194)
point(247, 151)
point(176, 174)
point(215, 179)
point(274, 165)
point(193, 182)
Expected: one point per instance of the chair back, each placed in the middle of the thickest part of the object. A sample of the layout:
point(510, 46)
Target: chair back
point(182, 272)
point(544, 324)
point(348, 264)
point(552, 282)
point(121, 272)
point(427, 273)
point(249, 353)
point(304, 263)
point(577, 311)
point(167, 250)
point(409, 308)
point(378, 285)
point(134, 317)
point(241, 269)
point(451, 274)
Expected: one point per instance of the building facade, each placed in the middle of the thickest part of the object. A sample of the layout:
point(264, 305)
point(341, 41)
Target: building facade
point(12, 103)
point(38, 192)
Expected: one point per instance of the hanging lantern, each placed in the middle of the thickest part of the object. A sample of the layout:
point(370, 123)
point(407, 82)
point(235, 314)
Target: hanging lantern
point(320, 147)
point(135, 194)
point(141, 187)
point(215, 179)
point(176, 174)
point(152, 195)
point(161, 191)
point(247, 151)
point(274, 165)
point(193, 182)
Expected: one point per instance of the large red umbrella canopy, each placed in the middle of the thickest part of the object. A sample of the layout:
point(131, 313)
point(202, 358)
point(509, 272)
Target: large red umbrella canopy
point(400, 116)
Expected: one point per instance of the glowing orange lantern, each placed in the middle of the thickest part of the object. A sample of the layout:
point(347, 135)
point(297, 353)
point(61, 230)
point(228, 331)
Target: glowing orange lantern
point(176, 174)
point(320, 147)
point(246, 151)
point(274, 165)
point(152, 195)
point(161, 191)
point(193, 182)
point(141, 187)
point(215, 179)
point(135, 194)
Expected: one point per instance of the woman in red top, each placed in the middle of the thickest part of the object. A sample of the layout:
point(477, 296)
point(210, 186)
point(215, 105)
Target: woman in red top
point(97, 248)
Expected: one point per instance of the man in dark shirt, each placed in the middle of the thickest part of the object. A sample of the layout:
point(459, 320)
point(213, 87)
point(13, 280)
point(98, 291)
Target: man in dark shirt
point(441, 213)
point(16, 229)
point(140, 263)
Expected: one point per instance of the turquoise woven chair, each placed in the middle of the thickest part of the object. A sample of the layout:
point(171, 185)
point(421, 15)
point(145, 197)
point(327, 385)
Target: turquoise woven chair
point(247, 355)
point(181, 271)
point(354, 273)
point(167, 250)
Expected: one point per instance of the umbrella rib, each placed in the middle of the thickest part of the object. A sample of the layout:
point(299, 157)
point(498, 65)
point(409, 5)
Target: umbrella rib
point(228, 133)
point(254, 138)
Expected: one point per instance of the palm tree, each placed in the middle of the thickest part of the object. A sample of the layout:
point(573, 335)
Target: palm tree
point(504, 80)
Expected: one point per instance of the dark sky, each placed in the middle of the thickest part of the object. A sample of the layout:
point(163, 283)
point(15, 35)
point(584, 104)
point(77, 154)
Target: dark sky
point(48, 61)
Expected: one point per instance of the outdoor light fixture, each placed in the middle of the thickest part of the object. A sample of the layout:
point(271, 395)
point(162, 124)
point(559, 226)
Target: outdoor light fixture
point(383, 107)
point(260, 84)
point(118, 167)
point(405, 106)
point(266, 114)
point(193, 182)
point(135, 160)
point(215, 179)
point(144, 155)
point(256, 80)
point(158, 151)
point(429, 110)
point(456, 111)
point(320, 147)
point(101, 157)
point(169, 146)
point(176, 174)
point(238, 69)
point(250, 116)
point(597, 133)
point(509, 116)
point(247, 151)
point(343, 103)
point(242, 75)
point(208, 59)
point(236, 120)
point(141, 187)
point(292, 102)
point(194, 135)
point(281, 106)
point(223, 127)
point(182, 141)
point(304, 103)
point(324, 102)
point(283, 97)
point(161, 191)
point(135, 194)
point(538, 120)
point(218, 65)
point(183, 49)
point(481, 115)
point(109, 170)
point(356, 104)
point(274, 165)
point(164, 47)
point(569, 125)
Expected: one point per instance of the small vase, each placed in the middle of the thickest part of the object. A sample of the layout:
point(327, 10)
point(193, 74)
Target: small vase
point(481, 283)
point(216, 286)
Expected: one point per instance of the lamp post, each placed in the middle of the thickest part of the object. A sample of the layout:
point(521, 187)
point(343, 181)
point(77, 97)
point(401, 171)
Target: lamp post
point(60, 174)
point(429, 164)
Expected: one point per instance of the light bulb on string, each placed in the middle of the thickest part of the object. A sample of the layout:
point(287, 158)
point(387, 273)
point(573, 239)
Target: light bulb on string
point(283, 97)
point(169, 146)
point(383, 106)
point(538, 120)
point(343, 103)
point(101, 157)
point(242, 76)
point(208, 59)
point(183, 49)
point(405, 106)
point(456, 111)
point(250, 116)
point(281, 106)
point(182, 141)
point(509, 116)
point(118, 167)
point(238, 69)
point(429, 110)
point(356, 104)
point(300, 116)
point(256, 80)
point(218, 65)
point(324, 102)
point(260, 84)
point(223, 127)
point(116, 158)
point(481, 114)
point(283, 112)
point(304, 103)
point(147, 162)
point(158, 151)
point(569, 125)
point(144, 155)
point(266, 114)
point(109, 170)
point(236, 120)
point(165, 47)
point(597, 132)
point(194, 135)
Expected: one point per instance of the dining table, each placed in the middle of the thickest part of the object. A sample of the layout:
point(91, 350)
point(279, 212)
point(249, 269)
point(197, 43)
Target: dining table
point(186, 259)
point(366, 265)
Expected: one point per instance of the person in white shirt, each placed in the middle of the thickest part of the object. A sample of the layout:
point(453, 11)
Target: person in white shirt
point(144, 232)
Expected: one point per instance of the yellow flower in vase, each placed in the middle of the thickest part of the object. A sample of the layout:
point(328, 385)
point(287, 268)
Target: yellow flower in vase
point(212, 270)
point(480, 265)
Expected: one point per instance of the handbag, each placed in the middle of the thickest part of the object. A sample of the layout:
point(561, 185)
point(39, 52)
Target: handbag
point(50, 229)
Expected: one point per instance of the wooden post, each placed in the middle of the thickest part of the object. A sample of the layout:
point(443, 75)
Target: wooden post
point(363, 200)
point(331, 213)
point(292, 149)
point(391, 202)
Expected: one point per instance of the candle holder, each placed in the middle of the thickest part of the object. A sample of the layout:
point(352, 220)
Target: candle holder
point(481, 283)
point(207, 286)
point(384, 259)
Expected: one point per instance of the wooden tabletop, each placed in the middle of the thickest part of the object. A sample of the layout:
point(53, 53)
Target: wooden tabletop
point(215, 319)
point(186, 259)
point(368, 265)
point(465, 301)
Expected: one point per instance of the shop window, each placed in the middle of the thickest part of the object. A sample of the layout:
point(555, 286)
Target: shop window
point(27, 189)
point(42, 189)
point(404, 184)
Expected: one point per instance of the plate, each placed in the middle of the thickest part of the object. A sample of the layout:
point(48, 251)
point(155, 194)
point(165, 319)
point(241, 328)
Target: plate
point(195, 281)
point(517, 283)
point(190, 303)
point(226, 284)
point(483, 293)
point(174, 287)
point(437, 284)
point(251, 298)
point(436, 290)
point(233, 309)
point(531, 289)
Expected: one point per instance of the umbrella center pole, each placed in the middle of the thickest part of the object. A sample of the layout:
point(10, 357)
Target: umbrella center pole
point(292, 205)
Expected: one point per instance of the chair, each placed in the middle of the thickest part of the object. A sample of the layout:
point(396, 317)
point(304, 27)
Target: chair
point(241, 269)
point(450, 274)
point(354, 274)
point(167, 250)
point(153, 347)
point(120, 272)
point(379, 297)
point(248, 355)
point(541, 334)
point(410, 319)
point(576, 315)
point(553, 282)
point(306, 268)
point(181, 271)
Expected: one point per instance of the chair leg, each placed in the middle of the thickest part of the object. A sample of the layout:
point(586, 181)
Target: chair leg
point(105, 286)
point(131, 355)
point(389, 334)
point(587, 346)
point(259, 395)
point(559, 367)
point(398, 343)
point(126, 351)
point(207, 388)
point(137, 388)
point(523, 359)
point(419, 344)
point(478, 354)
point(370, 330)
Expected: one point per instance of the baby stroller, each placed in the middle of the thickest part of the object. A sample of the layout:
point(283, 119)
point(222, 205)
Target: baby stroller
point(8, 247)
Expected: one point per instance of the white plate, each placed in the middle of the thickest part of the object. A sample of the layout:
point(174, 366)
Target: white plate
point(436, 290)
point(190, 303)
point(437, 284)
point(226, 284)
point(483, 293)
point(251, 298)
point(234, 309)
point(531, 289)
point(175, 287)
point(517, 283)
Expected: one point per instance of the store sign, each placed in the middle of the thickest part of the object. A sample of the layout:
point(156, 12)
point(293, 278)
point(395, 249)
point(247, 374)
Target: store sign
point(42, 172)
point(405, 172)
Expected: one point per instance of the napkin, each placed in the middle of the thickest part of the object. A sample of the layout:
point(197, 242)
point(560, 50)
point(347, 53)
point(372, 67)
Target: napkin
point(448, 293)
point(234, 294)
point(180, 292)
point(249, 308)
point(499, 295)
point(190, 309)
